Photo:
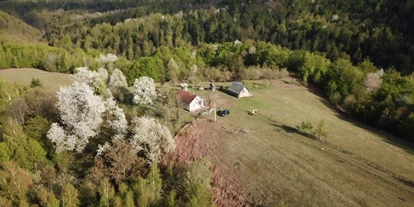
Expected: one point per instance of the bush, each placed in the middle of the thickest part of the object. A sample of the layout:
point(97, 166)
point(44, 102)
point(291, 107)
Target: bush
point(305, 126)
point(35, 83)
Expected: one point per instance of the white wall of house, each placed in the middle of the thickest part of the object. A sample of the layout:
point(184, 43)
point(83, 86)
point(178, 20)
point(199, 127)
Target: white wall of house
point(196, 104)
point(245, 93)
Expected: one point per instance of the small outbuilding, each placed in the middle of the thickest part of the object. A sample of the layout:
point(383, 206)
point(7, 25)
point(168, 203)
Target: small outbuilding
point(190, 101)
point(239, 90)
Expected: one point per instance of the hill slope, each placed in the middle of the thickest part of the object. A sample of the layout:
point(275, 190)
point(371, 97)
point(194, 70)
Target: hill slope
point(15, 30)
point(357, 166)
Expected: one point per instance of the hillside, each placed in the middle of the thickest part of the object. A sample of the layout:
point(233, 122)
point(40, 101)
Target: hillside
point(13, 29)
point(23, 76)
point(264, 159)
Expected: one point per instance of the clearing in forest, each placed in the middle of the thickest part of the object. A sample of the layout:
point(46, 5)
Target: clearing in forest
point(50, 81)
point(274, 163)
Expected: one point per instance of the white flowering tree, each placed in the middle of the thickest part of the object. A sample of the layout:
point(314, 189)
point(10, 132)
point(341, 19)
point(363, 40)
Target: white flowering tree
point(84, 75)
point(117, 80)
point(108, 58)
point(81, 115)
point(152, 138)
point(103, 74)
point(116, 119)
point(373, 81)
point(144, 91)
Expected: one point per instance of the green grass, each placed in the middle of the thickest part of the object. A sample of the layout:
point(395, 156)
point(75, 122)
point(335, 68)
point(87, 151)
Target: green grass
point(50, 81)
point(357, 166)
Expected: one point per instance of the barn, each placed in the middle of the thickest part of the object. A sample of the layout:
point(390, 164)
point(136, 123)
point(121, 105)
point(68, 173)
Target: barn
point(239, 90)
point(190, 101)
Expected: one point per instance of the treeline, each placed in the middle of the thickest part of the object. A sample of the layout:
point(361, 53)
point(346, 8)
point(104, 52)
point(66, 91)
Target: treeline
point(344, 29)
point(41, 56)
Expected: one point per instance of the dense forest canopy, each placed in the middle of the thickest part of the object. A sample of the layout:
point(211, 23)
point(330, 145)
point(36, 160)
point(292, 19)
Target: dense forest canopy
point(359, 53)
point(377, 30)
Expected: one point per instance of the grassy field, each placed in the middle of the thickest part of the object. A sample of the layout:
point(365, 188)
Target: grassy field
point(50, 81)
point(357, 166)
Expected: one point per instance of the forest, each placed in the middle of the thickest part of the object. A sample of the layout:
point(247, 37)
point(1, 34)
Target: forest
point(359, 53)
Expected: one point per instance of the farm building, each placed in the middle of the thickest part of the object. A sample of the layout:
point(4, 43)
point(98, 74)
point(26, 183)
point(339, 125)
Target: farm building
point(239, 90)
point(190, 101)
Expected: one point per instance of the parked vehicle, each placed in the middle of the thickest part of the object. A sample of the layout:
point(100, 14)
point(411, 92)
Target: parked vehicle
point(223, 112)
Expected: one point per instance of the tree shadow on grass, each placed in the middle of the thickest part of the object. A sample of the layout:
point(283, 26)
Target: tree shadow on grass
point(293, 130)
point(406, 182)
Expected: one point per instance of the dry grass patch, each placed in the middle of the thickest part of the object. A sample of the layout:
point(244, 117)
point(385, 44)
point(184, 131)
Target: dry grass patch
point(50, 81)
point(358, 166)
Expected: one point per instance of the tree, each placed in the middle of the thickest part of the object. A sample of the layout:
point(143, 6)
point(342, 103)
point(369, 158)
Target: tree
point(41, 103)
point(120, 163)
point(141, 190)
point(148, 191)
point(8, 92)
point(321, 131)
point(35, 83)
point(37, 128)
point(144, 91)
point(87, 194)
point(84, 75)
point(117, 80)
point(154, 184)
point(69, 196)
point(106, 192)
point(151, 138)
point(129, 199)
point(81, 114)
point(118, 84)
point(18, 110)
point(173, 70)
point(47, 198)
point(15, 182)
point(116, 119)
point(109, 58)
point(373, 81)
point(305, 126)
point(25, 151)
point(197, 184)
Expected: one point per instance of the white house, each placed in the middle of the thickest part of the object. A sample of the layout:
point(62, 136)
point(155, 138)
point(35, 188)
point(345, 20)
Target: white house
point(190, 101)
point(239, 90)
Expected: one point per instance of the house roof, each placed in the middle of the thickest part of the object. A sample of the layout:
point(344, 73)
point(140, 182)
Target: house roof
point(236, 87)
point(185, 96)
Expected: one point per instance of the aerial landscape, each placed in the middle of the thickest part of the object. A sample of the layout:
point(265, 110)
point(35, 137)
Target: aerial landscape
point(200, 103)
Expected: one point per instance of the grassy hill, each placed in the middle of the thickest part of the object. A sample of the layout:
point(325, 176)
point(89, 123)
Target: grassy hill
point(356, 166)
point(50, 81)
point(15, 30)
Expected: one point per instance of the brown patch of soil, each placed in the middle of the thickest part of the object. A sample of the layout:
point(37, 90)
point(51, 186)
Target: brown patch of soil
point(195, 142)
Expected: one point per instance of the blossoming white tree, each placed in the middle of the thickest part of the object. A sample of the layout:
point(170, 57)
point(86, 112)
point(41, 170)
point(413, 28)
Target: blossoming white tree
point(144, 91)
point(373, 81)
point(152, 138)
point(117, 120)
point(84, 75)
point(117, 79)
point(103, 74)
point(81, 115)
point(108, 58)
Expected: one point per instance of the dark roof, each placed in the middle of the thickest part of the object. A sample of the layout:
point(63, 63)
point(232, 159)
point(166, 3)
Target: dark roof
point(236, 87)
point(185, 96)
